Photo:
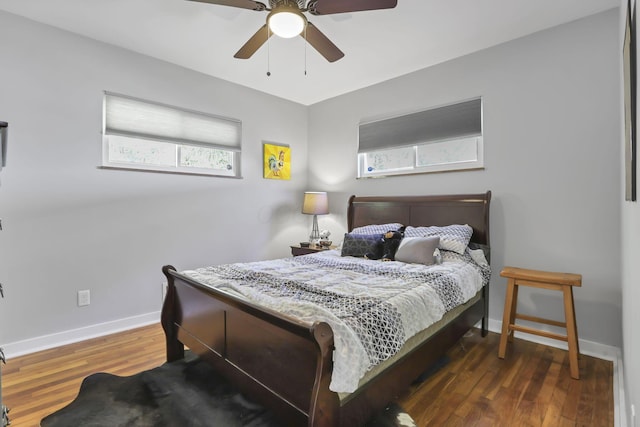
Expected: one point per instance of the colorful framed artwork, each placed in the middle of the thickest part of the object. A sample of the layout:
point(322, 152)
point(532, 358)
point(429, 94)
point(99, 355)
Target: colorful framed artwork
point(276, 161)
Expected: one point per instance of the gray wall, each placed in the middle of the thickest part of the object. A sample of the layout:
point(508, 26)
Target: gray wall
point(552, 158)
point(69, 225)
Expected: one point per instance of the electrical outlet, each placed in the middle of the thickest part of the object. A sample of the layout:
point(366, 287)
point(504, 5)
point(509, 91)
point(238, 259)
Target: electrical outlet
point(633, 415)
point(84, 298)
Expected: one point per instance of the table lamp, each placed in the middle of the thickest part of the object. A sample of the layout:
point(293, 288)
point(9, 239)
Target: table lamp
point(315, 203)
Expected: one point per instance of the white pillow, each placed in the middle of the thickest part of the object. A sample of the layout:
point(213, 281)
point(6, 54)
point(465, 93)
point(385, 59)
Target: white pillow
point(452, 237)
point(478, 256)
point(417, 250)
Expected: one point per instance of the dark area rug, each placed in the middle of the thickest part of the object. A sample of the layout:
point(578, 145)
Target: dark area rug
point(185, 393)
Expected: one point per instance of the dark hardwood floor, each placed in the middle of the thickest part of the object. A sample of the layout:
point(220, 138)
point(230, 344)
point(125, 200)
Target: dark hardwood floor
point(530, 387)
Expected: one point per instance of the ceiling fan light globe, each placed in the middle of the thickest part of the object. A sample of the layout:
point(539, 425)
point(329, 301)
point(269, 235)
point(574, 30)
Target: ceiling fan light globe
point(286, 24)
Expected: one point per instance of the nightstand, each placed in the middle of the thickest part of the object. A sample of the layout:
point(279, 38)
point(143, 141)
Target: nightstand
point(297, 250)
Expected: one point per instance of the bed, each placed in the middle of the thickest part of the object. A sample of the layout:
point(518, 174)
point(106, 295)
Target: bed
point(285, 363)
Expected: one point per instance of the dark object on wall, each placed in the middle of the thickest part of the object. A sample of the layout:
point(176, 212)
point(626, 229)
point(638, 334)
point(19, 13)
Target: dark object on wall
point(630, 128)
point(4, 127)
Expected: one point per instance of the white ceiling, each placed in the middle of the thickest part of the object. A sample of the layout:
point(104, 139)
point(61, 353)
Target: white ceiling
point(378, 45)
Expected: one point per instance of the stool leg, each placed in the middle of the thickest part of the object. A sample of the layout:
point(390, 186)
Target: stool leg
point(572, 331)
point(575, 323)
point(512, 314)
point(507, 316)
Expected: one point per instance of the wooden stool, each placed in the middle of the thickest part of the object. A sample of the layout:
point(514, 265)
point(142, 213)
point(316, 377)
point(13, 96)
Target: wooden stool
point(546, 280)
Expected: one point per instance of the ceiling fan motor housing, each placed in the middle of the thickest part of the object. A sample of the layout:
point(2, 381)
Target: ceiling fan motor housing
point(275, 3)
point(286, 19)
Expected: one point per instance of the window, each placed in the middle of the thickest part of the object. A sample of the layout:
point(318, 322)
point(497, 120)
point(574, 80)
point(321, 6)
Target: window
point(144, 135)
point(435, 140)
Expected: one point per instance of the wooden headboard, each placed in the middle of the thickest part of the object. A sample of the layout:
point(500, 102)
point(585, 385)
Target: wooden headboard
point(472, 209)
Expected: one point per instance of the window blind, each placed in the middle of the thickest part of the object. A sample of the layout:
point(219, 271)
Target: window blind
point(132, 117)
point(460, 120)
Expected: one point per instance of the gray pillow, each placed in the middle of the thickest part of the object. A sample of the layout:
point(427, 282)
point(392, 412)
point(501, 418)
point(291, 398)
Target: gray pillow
point(454, 237)
point(417, 250)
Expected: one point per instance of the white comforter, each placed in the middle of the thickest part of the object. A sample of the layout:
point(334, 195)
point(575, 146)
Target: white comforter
point(373, 307)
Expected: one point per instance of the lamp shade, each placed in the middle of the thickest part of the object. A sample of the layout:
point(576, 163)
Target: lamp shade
point(315, 203)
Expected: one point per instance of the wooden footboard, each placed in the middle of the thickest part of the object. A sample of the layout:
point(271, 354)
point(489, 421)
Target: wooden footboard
point(280, 362)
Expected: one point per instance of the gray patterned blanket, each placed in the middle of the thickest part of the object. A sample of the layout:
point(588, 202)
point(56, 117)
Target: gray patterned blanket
point(373, 307)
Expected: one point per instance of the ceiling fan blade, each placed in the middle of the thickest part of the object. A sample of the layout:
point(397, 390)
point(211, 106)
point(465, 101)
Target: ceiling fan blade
point(243, 4)
point(254, 43)
point(327, 7)
point(321, 43)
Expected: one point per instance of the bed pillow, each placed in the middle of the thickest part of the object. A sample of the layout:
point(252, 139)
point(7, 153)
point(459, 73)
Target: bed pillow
point(417, 250)
point(452, 237)
point(486, 250)
point(358, 245)
point(376, 228)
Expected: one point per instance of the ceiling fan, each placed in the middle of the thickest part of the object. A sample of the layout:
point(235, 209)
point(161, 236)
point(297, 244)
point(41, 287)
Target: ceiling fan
point(286, 19)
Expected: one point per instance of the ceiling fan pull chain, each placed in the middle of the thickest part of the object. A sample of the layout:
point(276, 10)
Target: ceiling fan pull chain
point(305, 50)
point(268, 52)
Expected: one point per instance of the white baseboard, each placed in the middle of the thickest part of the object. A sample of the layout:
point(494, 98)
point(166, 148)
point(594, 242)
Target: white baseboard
point(45, 342)
point(589, 348)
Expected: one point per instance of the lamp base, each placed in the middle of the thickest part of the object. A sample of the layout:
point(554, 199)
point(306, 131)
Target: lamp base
point(314, 237)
